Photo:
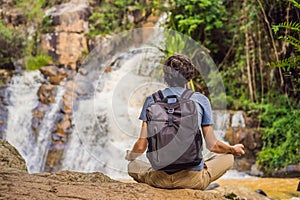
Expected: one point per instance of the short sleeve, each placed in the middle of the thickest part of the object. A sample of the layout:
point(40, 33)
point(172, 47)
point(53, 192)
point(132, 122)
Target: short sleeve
point(207, 111)
point(147, 103)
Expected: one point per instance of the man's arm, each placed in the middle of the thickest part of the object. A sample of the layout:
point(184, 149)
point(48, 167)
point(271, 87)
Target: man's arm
point(140, 145)
point(217, 146)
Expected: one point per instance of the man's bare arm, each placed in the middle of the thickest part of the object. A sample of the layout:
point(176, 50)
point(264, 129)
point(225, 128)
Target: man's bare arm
point(140, 145)
point(217, 146)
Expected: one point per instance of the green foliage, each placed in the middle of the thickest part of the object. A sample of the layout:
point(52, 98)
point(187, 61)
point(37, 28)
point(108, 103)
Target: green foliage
point(32, 8)
point(281, 135)
point(47, 25)
point(291, 64)
point(114, 16)
point(35, 62)
point(12, 46)
point(200, 19)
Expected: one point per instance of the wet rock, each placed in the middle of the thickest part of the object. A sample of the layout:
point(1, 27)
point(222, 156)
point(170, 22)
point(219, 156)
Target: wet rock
point(3, 112)
point(289, 171)
point(243, 164)
point(5, 77)
point(238, 119)
point(252, 142)
point(254, 171)
point(234, 192)
point(47, 93)
point(54, 74)
point(10, 157)
point(38, 116)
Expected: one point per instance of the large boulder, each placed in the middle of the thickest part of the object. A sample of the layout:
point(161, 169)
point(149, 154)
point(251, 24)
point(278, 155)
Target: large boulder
point(66, 40)
point(75, 185)
point(10, 157)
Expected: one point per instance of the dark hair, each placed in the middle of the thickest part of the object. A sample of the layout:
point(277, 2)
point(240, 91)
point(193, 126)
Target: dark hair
point(178, 70)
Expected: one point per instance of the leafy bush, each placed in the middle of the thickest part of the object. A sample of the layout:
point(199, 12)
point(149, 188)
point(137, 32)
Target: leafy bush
point(35, 62)
point(281, 135)
point(12, 46)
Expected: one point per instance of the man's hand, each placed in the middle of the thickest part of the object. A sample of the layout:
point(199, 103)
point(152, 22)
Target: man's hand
point(128, 156)
point(238, 150)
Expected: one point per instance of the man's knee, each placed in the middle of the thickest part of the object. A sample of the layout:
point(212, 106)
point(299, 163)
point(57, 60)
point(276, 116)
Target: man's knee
point(228, 161)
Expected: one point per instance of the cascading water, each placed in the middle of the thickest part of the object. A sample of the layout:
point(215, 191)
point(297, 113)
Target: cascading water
point(23, 99)
point(107, 124)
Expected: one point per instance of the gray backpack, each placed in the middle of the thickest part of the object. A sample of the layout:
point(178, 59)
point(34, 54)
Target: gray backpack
point(174, 138)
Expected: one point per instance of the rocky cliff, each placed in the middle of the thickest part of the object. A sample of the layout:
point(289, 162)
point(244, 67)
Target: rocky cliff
point(16, 183)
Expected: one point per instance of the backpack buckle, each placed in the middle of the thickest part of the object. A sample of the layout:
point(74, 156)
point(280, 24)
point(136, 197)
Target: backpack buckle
point(170, 110)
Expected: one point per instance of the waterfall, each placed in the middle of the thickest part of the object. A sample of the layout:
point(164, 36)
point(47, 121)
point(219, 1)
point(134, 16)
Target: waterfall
point(107, 124)
point(23, 99)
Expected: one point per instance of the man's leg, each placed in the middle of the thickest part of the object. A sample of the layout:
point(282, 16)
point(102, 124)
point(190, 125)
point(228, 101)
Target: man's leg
point(138, 170)
point(218, 165)
point(143, 173)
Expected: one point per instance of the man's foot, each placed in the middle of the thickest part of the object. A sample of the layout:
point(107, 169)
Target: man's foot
point(212, 186)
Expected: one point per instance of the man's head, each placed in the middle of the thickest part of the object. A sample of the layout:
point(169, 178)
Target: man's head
point(178, 70)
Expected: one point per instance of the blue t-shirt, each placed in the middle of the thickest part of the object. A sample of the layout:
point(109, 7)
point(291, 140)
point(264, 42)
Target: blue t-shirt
point(202, 104)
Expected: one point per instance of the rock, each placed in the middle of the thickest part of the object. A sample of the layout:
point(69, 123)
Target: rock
point(10, 157)
point(254, 171)
point(238, 119)
point(13, 16)
point(16, 183)
point(243, 164)
point(70, 17)
point(38, 116)
point(234, 192)
point(67, 40)
point(288, 171)
point(252, 141)
point(47, 93)
point(3, 111)
point(54, 74)
point(67, 176)
point(76, 185)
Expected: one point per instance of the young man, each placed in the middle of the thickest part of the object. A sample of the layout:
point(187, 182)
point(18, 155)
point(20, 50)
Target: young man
point(178, 71)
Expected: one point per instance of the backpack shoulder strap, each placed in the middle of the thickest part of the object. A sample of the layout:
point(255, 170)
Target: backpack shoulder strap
point(158, 96)
point(187, 94)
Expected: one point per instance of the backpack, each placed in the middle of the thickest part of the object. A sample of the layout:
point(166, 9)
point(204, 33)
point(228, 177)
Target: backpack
point(174, 138)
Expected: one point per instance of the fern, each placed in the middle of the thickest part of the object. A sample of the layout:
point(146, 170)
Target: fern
point(295, 3)
point(291, 62)
point(292, 40)
point(293, 26)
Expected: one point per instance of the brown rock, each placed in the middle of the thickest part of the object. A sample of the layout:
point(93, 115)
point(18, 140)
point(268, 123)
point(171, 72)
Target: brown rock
point(10, 157)
point(46, 93)
point(75, 185)
point(70, 17)
point(243, 164)
point(68, 41)
point(13, 16)
point(240, 192)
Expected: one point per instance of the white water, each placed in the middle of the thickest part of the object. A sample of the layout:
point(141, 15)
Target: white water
point(37, 157)
point(23, 89)
point(107, 125)
point(23, 99)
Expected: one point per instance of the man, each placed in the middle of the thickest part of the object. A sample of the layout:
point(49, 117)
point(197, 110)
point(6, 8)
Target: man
point(178, 71)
